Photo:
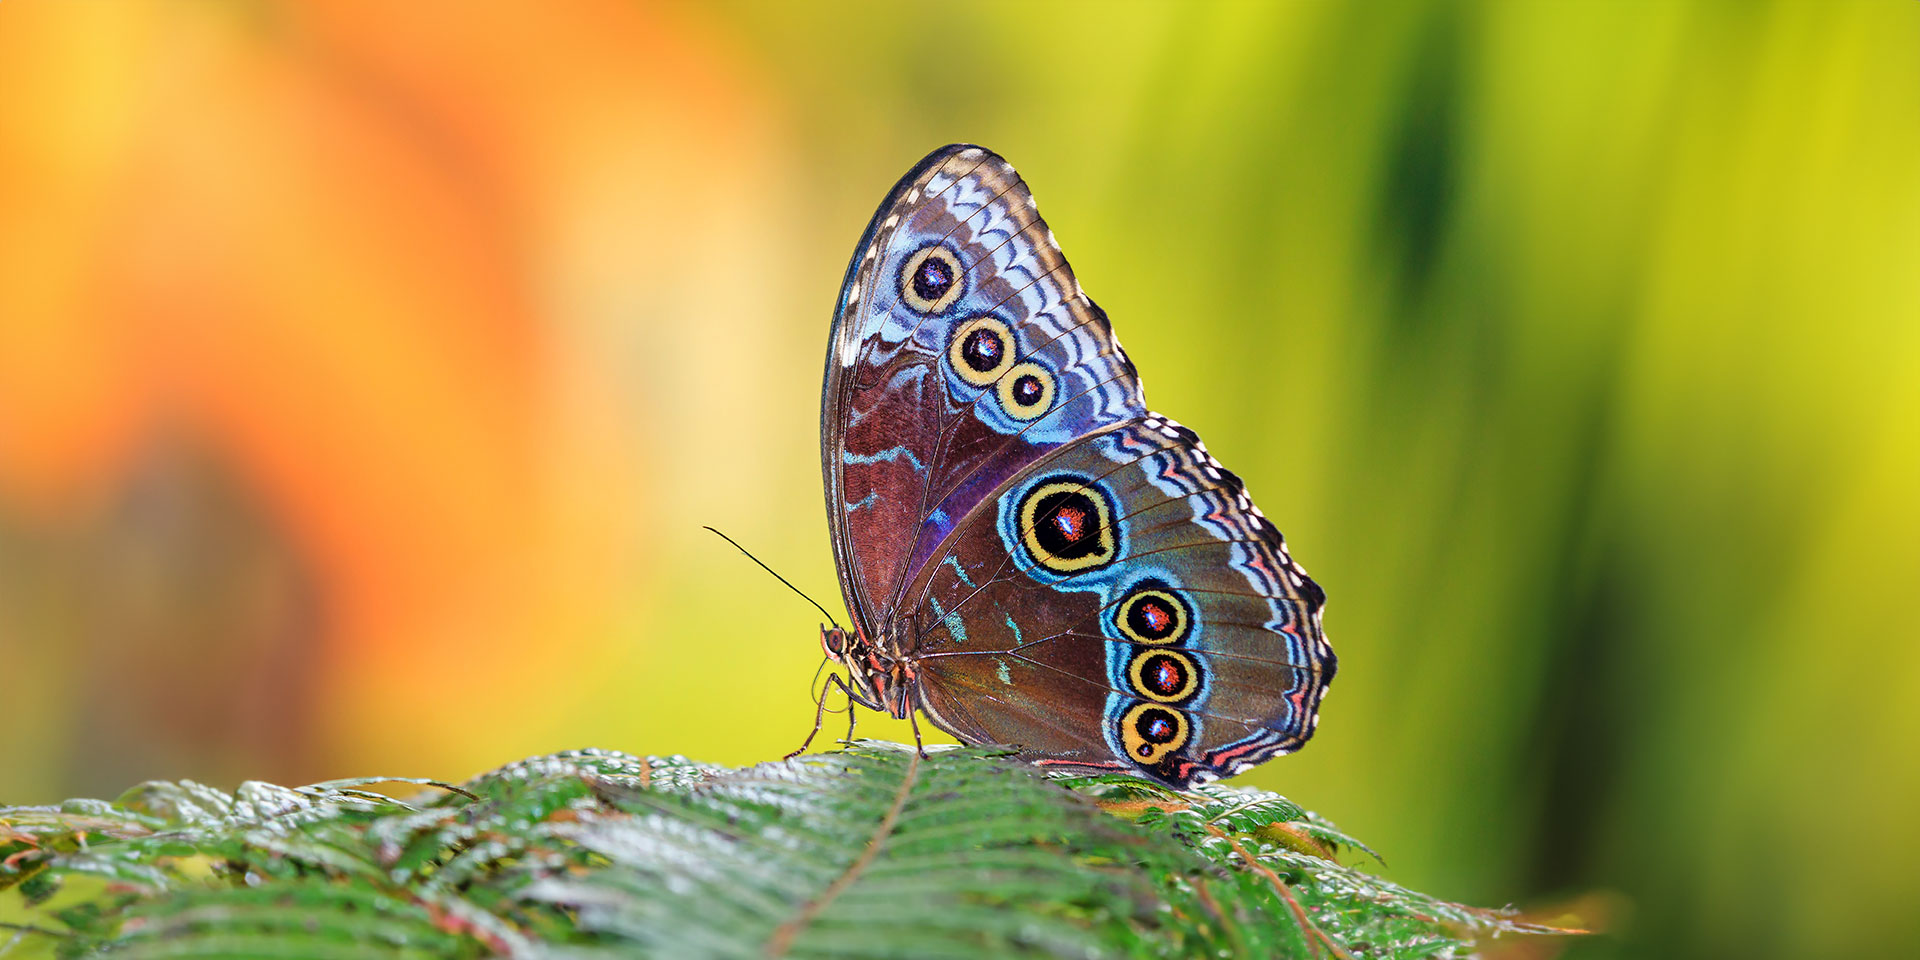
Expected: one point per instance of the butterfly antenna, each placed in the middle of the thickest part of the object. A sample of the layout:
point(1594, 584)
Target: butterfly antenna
point(802, 593)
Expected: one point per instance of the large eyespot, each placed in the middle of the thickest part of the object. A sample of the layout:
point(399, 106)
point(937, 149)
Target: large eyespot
point(930, 281)
point(1150, 732)
point(1153, 614)
point(1067, 525)
point(982, 350)
point(1026, 391)
point(1167, 676)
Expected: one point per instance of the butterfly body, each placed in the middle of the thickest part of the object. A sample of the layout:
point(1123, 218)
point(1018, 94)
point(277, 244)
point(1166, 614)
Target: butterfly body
point(1030, 555)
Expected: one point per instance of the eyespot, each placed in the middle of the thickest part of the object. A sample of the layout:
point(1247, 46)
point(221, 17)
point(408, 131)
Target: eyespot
point(1166, 676)
point(1153, 614)
point(982, 350)
point(1066, 525)
point(1151, 732)
point(1026, 391)
point(930, 280)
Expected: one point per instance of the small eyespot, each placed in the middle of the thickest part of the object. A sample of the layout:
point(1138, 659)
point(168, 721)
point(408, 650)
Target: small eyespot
point(1151, 732)
point(930, 280)
point(1066, 524)
point(1165, 676)
point(981, 350)
point(1026, 391)
point(1153, 614)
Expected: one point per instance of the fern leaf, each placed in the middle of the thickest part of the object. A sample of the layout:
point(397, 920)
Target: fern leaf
point(874, 852)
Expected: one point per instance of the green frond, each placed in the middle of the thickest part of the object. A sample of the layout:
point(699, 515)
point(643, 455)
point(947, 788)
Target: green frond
point(873, 852)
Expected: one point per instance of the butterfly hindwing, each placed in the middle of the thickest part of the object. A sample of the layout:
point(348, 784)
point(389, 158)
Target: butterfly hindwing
point(1121, 604)
point(962, 350)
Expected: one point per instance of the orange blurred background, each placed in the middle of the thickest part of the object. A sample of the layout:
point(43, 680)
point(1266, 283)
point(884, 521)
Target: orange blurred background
point(368, 370)
point(352, 358)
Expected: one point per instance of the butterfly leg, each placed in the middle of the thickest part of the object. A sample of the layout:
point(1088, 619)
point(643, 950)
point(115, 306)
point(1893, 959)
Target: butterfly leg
point(819, 717)
point(820, 712)
point(913, 717)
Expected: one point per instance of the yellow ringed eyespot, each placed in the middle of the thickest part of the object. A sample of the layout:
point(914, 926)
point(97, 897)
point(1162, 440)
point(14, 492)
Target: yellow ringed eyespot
point(1067, 525)
point(1151, 732)
point(930, 280)
point(1167, 676)
point(1026, 391)
point(1153, 616)
point(982, 350)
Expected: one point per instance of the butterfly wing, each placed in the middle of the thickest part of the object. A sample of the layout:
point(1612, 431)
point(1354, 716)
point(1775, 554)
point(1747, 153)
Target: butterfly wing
point(962, 350)
point(1121, 605)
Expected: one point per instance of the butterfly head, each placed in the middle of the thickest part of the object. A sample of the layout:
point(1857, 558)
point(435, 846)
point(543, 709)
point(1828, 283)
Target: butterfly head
point(835, 641)
point(881, 682)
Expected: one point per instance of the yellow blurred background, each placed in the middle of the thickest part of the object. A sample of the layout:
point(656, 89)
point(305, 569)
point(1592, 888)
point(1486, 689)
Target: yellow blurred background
point(367, 371)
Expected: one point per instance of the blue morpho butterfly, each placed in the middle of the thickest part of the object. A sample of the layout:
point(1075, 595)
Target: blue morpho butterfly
point(1030, 555)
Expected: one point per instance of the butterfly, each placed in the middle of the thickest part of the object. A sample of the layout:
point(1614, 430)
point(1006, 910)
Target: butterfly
point(1030, 556)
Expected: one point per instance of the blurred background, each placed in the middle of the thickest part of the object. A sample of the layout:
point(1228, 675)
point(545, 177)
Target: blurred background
point(367, 371)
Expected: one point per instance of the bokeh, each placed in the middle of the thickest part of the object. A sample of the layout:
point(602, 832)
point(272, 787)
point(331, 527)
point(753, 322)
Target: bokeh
point(367, 372)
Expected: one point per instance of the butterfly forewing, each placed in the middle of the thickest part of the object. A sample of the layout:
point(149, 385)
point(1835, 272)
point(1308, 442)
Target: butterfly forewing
point(962, 349)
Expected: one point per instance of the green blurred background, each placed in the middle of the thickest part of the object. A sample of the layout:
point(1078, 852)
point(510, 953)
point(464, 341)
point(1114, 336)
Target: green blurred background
point(367, 371)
